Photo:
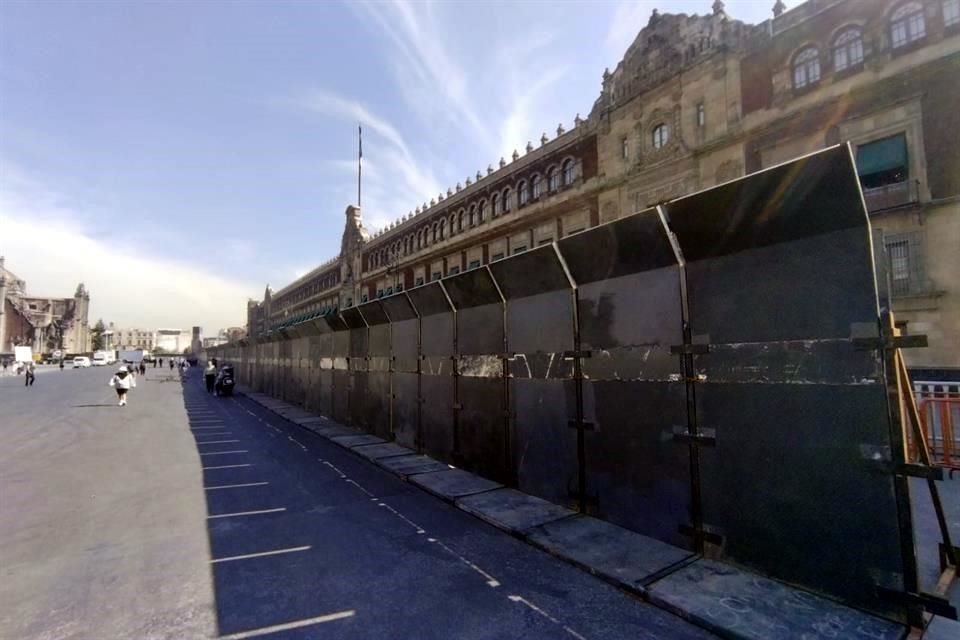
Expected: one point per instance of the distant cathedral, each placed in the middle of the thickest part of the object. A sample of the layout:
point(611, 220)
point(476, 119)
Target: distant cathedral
point(45, 324)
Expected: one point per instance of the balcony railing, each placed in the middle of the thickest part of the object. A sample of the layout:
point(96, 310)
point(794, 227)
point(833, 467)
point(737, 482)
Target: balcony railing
point(891, 196)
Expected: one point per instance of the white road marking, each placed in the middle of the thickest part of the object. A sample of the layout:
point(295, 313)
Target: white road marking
point(222, 453)
point(410, 522)
point(228, 466)
point(522, 600)
point(262, 554)
point(306, 622)
point(215, 441)
point(491, 581)
point(236, 486)
point(246, 513)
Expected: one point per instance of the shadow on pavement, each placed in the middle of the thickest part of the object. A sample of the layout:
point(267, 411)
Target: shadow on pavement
point(260, 533)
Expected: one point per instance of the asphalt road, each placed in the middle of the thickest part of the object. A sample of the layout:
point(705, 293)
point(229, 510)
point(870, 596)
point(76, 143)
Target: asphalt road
point(187, 516)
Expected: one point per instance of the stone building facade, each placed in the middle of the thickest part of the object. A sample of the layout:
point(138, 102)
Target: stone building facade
point(697, 101)
point(40, 322)
point(130, 338)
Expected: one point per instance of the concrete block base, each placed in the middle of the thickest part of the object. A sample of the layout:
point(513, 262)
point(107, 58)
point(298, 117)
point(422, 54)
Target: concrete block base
point(735, 603)
point(617, 554)
point(453, 484)
point(512, 511)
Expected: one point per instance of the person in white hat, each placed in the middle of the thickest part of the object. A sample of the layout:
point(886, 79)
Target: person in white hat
point(122, 381)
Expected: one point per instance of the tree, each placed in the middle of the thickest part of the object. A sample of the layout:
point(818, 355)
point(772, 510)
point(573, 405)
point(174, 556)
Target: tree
point(96, 335)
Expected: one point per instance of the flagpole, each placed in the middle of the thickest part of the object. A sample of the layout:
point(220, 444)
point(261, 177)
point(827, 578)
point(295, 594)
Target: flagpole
point(359, 160)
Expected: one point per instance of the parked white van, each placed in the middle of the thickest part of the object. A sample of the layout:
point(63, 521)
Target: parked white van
point(100, 359)
point(81, 362)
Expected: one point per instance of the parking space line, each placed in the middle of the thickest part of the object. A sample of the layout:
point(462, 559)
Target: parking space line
point(297, 624)
point(227, 466)
point(246, 513)
point(223, 453)
point(262, 554)
point(236, 486)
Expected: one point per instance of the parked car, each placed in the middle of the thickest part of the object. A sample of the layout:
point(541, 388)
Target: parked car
point(99, 360)
point(81, 362)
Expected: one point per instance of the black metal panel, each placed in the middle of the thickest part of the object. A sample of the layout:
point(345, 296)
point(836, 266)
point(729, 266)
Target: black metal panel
point(436, 418)
point(484, 438)
point(406, 417)
point(779, 272)
point(437, 381)
point(377, 405)
point(326, 392)
point(483, 423)
point(405, 380)
point(544, 447)
point(630, 313)
point(791, 488)
point(812, 196)
point(373, 410)
point(542, 389)
point(340, 348)
point(436, 318)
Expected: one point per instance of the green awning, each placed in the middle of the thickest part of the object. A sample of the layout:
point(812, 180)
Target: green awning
point(882, 155)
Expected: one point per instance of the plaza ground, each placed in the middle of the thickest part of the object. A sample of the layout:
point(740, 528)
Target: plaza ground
point(187, 516)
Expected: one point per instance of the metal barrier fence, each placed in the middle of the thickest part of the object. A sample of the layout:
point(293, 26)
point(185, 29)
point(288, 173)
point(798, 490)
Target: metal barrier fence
point(689, 372)
point(939, 404)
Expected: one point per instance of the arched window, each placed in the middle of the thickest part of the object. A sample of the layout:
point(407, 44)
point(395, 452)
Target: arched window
point(443, 229)
point(507, 200)
point(481, 211)
point(907, 24)
point(460, 217)
point(435, 235)
point(473, 215)
point(806, 68)
point(660, 135)
point(536, 183)
point(848, 49)
point(453, 223)
point(524, 192)
point(951, 12)
point(553, 179)
point(495, 205)
point(569, 171)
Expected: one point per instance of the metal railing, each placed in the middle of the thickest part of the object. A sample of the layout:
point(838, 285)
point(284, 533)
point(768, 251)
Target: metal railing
point(939, 405)
point(891, 196)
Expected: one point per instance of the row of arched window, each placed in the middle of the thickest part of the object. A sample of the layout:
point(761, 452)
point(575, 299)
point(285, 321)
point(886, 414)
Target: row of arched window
point(908, 24)
point(499, 203)
point(306, 291)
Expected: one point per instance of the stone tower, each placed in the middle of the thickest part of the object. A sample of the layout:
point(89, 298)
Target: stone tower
point(351, 254)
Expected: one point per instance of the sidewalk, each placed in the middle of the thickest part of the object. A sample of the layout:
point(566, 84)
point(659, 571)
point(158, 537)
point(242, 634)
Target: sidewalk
point(721, 598)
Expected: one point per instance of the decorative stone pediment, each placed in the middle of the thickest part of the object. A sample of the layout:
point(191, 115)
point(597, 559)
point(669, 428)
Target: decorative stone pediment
point(669, 43)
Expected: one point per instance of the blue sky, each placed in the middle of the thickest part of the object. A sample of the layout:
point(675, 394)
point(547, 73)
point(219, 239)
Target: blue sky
point(178, 156)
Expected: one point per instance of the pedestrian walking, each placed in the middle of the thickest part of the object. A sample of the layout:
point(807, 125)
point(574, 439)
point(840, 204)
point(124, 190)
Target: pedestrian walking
point(61, 364)
point(143, 368)
point(210, 376)
point(122, 381)
point(29, 374)
point(171, 364)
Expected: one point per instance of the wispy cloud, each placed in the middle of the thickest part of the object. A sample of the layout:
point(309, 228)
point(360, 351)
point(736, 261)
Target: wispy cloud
point(497, 103)
point(395, 180)
point(46, 242)
point(424, 64)
point(628, 18)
